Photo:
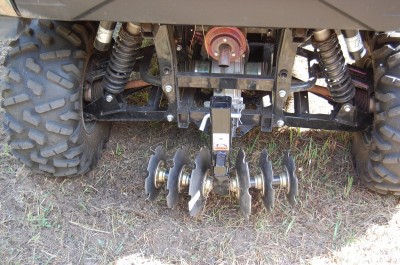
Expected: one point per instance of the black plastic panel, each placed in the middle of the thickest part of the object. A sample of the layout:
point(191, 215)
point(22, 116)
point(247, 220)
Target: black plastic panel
point(339, 14)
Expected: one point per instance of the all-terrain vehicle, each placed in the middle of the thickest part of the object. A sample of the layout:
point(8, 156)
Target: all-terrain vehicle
point(74, 67)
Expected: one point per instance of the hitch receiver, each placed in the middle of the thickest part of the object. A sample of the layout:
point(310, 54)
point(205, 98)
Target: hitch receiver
point(221, 141)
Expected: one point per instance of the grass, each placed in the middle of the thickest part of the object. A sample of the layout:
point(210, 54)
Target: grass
point(290, 225)
point(113, 222)
point(348, 186)
point(39, 219)
point(6, 150)
point(337, 227)
point(118, 150)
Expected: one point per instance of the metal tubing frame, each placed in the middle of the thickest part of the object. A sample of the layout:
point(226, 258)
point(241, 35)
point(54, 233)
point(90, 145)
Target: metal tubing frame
point(287, 51)
point(167, 62)
point(184, 85)
point(225, 81)
point(249, 117)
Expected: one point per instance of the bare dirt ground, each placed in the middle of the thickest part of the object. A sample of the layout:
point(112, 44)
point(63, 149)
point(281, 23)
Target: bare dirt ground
point(104, 218)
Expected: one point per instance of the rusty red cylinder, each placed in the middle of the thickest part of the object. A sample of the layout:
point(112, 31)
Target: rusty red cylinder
point(225, 44)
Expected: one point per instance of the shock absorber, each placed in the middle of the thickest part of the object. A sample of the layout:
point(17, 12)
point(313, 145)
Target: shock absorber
point(354, 44)
point(333, 65)
point(104, 35)
point(122, 59)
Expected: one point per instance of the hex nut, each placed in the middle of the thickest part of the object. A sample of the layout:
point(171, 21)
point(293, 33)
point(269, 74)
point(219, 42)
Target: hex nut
point(170, 117)
point(282, 93)
point(280, 123)
point(168, 88)
point(347, 107)
point(109, 98)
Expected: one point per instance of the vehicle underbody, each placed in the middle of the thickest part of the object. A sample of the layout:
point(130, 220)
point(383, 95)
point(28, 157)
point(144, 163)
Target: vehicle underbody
point(225, 80)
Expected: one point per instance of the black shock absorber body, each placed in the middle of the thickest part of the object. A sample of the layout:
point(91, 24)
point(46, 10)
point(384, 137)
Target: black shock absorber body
point(122, 60)
point(333, 65)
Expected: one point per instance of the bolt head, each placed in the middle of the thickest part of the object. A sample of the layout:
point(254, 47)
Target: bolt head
point(168, 88)
point(347, 107)
point(179, 47)
point(170, 117)
point(282, 93)
point(109, 98)
point(280, 123)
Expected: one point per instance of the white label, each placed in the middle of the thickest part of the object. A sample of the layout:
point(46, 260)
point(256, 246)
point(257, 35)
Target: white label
point(266, 101)
point(354, 44)
point(104, 35)
point(221, 142)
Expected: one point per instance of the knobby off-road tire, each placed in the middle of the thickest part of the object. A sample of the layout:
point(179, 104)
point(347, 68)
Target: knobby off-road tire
point(42, 98)
point(377, 152)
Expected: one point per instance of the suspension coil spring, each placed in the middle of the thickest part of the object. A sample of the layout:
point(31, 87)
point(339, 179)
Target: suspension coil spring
point(122, 60)
point(334, 67)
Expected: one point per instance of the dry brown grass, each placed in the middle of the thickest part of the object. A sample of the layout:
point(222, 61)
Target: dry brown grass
point(104, 217)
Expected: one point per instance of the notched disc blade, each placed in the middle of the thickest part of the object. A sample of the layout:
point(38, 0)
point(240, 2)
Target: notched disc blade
point(288, 161)
point(268, 175)
point(150, 184)
point(243, 173)
point(181, 159)
point(199, 174)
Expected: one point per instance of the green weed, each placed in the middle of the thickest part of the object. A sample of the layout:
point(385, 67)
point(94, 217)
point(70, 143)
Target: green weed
point(348, 187)
point(118, 150)
point(6, 150)
point(40, 218)
point(255, 141)
point(290, 226)
point(337, 227)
